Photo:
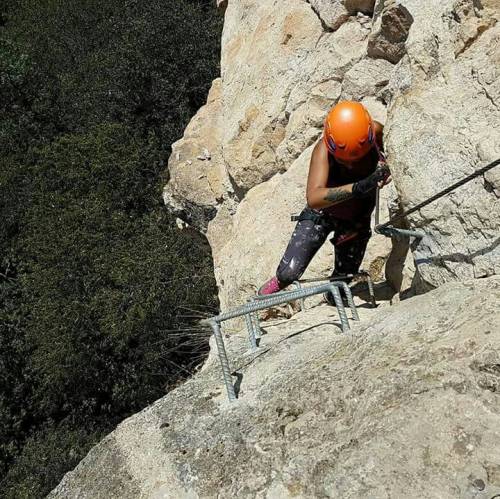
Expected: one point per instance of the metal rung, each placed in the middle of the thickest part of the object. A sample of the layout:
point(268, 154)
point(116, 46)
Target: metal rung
point(361, 273)
point(261, 303)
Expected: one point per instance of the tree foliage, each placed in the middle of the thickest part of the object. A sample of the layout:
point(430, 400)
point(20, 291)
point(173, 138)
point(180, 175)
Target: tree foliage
point(100, 292)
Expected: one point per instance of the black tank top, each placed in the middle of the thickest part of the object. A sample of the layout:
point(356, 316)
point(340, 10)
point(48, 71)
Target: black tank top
point(340, 175)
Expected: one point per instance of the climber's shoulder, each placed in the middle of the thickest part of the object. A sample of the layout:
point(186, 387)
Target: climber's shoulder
point(319, 156)
point(379, 133)
point(318, 166)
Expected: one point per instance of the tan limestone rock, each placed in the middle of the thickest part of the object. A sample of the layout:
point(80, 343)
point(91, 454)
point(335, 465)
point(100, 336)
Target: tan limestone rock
point(367, 78)
point(441, 127)
point(334, 13)
point(262, 88)
point(379, 247)
point(404, 406)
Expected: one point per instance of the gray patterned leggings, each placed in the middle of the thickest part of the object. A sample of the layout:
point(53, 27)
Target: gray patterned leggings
point(350, 239)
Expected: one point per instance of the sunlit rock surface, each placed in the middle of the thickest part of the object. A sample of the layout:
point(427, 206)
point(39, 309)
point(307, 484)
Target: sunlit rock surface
point(434, 64)
point(406, 405)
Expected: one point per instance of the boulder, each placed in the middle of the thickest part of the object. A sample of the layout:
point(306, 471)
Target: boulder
point(391, 25)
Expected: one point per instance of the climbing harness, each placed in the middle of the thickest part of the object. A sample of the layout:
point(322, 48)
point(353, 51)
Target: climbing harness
point(316, 217)
point(319, 218)
point(387, 228)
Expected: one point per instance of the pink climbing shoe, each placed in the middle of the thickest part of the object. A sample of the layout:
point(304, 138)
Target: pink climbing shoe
point(270, 287)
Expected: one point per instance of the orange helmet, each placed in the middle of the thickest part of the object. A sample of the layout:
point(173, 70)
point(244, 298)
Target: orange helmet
point(349, 132)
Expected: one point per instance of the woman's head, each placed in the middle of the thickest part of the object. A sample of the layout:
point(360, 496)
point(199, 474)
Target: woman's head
point(349, 133)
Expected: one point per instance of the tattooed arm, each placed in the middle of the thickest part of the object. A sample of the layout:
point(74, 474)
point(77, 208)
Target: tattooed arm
point(318, 195)
point(338, 194)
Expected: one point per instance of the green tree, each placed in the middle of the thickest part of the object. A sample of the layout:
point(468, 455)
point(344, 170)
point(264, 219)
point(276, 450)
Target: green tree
point(97, 284)
point(147, 64)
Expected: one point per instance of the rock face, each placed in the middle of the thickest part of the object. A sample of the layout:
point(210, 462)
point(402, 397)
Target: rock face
point(281, 71)
point(444, 122)
point(407, 405)
point(429, 68)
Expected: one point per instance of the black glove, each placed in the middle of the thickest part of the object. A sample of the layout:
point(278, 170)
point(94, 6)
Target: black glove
point(363, 187)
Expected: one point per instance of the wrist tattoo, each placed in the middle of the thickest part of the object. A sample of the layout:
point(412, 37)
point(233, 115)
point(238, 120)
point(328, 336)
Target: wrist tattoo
point(337, 195)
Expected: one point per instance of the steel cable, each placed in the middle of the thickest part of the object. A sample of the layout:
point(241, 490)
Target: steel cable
point(438, 195)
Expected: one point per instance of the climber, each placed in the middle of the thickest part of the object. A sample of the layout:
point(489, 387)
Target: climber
point(346, 167)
